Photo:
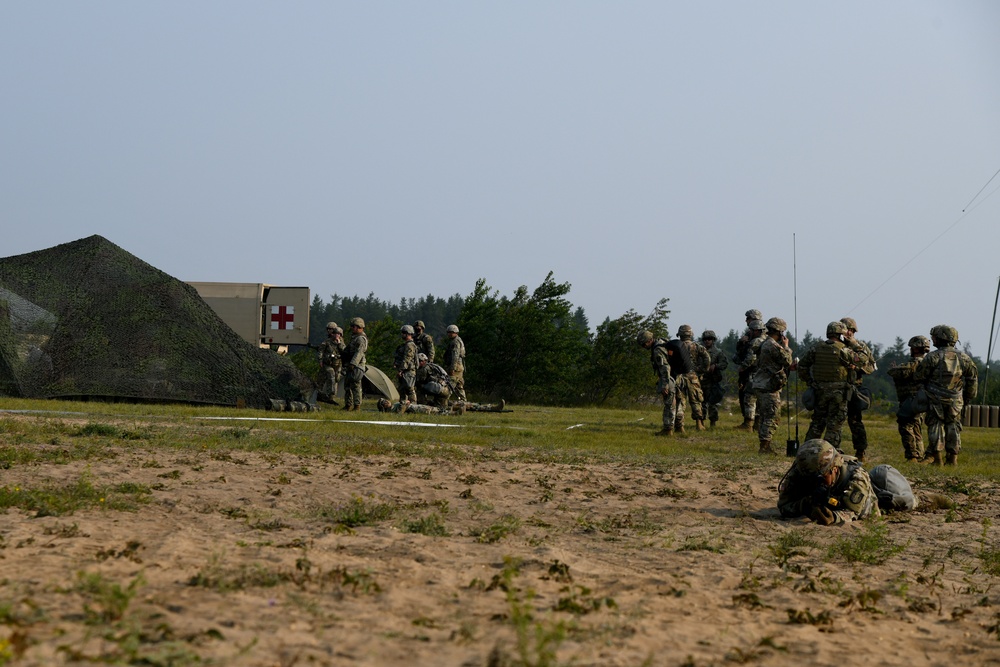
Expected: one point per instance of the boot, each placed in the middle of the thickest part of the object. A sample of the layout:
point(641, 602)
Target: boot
point(860, 456)
point(747, 423)
point(348, 407)
point(499, 406)
point(665, 432)
point(765, 447)
point(679, 425)
point(934, 459)
point(699, 424)
point(951, 459)
point(459, 409)
point(712, 423)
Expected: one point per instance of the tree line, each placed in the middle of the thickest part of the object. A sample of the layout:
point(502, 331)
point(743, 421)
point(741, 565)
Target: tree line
point(536, 347)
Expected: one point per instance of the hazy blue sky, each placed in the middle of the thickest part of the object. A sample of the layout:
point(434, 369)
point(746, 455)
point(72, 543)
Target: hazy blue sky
point(637, 149)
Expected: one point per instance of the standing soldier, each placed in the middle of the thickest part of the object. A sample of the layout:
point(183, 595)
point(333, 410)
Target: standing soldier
point(711, 380)
point(825, 369)
point(951, 379)
point(665, 387)
point(330, 363)
point(743, 377)
point(770, 378)
point(355, 365)
point(424, 341)
point(405, 363)
point(909, 421)
point(746, 363)
point(857, 403)
point(689, 389)
point(454, 361)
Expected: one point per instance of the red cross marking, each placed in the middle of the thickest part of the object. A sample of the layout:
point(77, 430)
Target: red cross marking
point(282, 317)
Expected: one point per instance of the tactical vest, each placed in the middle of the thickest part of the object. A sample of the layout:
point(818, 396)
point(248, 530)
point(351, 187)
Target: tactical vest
point(828, 367)
point(948, 373)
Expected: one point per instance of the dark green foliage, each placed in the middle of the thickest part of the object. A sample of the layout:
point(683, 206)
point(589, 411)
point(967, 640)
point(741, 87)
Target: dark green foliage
point(89, 320)
point(436, 313)
point(618, 367)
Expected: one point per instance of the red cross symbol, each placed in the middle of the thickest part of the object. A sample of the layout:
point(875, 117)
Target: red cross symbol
point(282, 317)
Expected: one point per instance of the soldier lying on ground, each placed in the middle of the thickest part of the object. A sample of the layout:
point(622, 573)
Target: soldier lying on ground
point(833, 488)
point(460, 408)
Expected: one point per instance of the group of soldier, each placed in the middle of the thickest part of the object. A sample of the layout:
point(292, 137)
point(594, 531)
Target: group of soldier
point(424, 386)
point(937, 384)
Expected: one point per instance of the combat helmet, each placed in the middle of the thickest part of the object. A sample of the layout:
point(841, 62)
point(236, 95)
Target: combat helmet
point(850, 323)
point(755, 325)
point(644, 338)
point(406, 329)
point(685, 332)
point(754, 314)
point(421, 357)
point(817, 457)
point(834, 329)
point(708, 334)
point(920, 342)
point(452, 328)
point(383, 405)
point(945, 333)
point(358, 322)
point(419, 324)
point(777, 324)
point(331, 325)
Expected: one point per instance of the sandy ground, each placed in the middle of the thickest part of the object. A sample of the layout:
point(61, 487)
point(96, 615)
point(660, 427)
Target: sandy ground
point(245, 560)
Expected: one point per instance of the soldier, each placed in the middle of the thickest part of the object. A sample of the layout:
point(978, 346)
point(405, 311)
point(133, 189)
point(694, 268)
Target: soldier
point(743, 346)
point(424, 341)
point(689, 384)
point(951, 379)
point(665, 386)
point(405, 363)
point(826, 486)
point(355, 365)
point(711, 380)
point(384, 405)
point(330, 363)
point(433, 383)
point(909, 421)
point(746, 363)
point(825, 368)
point(857, 402)
point(770, 378)
point(454, 361)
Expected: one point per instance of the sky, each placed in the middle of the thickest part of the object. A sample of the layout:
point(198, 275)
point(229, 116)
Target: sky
point(812, 160)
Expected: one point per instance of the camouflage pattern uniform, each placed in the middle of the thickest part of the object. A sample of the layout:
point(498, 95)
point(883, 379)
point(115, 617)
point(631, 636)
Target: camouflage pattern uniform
point(803, 491)
point(330, 363)
point(768, 380)
point(405, 363)
point(689, 385)
point(424, 341)
point(456, 409)
point(454, 361)
point(746, 364)
point(865, 365)
point(824, 368)
point(910, 424)
point(951, 379)
point(711, 379)
point(355, 365)
point(665, 387)
point(433, 383)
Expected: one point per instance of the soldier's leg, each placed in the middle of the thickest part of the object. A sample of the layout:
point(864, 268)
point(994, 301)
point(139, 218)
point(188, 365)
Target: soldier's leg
point(953, 431)
point(669, 412)
point(817, 423)
point(859, 435)
point(918, 435)
point(935, 430)
point(768, 404)
point(696, 398)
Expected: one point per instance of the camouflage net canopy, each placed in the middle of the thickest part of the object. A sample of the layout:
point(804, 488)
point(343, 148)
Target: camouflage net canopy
point(89, 320)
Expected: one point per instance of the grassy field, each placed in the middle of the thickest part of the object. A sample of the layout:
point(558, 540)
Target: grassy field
point(130, 530)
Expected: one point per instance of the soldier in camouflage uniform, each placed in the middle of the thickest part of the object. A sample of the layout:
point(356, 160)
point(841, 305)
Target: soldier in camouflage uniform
point(711, 379)
point(433, 383)
point(665, 386)
point(330, 363)
point(824, 369)
point(355, 365)
point(689, 384)
point(454, 361)
point(865, 365)
point(384, 405)
point(951, 379)
point(747, 349)
point(405, 363)
point(909, 421)
point(424, 341)
point(770, 378)
point(827, 486)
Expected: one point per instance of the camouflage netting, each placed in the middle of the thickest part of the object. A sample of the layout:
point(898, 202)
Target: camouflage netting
point(89, 320)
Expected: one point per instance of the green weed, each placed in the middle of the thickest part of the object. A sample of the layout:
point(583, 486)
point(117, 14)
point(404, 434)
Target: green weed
point(871, 545)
